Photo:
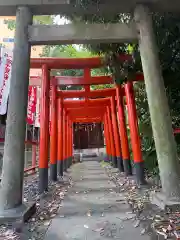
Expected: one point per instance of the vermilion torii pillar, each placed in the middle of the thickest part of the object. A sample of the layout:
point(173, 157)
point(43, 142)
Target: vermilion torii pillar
point(44, 130)
point(64, 140)
point(111, 134)
point(11, 192)
point(116, 135)
point(109, 137)
point(158, 107)
point(70, 142)
point(53, 135)
point(60, 137)
point(123, 131)
point(67, 146)
point(106, 135)
point(134, 133)
point(111, 140)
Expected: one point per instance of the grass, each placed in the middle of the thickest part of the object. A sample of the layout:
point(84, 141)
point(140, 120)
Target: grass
point(104, 164)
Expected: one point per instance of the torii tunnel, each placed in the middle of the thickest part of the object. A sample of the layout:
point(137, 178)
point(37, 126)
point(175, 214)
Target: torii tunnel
point(107, 108)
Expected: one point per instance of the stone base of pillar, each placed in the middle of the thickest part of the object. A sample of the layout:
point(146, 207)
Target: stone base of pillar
point(53, 172)
point(114, 161)
point(160, 200)
point(43, 180)
point(60, 168)
point(127, 167)
point(22, 213)
point(139, 170)
point(120, 164)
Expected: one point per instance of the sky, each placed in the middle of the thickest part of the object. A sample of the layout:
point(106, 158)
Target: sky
point(62, 21)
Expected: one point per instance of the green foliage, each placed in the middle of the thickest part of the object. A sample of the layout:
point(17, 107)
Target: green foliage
point(11, 24)
point(167, 30)
point(46, 20)
point(104, 164)
point(120, 70)
point(63, 51)
point(72, 51)
point(101, 86)
point(69, 51)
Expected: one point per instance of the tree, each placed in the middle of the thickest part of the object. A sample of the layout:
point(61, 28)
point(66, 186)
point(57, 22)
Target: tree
point(72, 51)
point(167, 29)
point(66, 51)
point(11, 23)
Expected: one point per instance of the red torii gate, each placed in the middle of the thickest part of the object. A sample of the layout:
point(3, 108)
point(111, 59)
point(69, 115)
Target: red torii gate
point(65, 112)
point(84, 80)
point(73, 63)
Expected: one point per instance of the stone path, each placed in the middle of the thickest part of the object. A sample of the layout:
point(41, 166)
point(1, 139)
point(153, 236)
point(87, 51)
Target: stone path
point(93, 210)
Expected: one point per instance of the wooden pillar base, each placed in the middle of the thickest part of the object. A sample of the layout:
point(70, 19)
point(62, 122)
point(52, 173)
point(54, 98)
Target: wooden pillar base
point(114, 161)
point(53, 172)
point(65, 165)
point(139, 170)
point(120, 164)
point(21, 213)
point(70, 162)
point(43, 180)
point(127, 167)
point(60, 168)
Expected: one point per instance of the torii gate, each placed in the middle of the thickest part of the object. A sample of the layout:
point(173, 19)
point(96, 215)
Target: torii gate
point(88, 80)
point(81, 104)
point(140, 30)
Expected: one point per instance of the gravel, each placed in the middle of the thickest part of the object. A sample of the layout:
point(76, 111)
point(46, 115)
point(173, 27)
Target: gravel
point(47, 205)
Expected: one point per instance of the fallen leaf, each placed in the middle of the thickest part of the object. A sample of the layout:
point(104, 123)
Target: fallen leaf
point(98, 229)
point(47, 223)
point(143, 231)
point(137, 224)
